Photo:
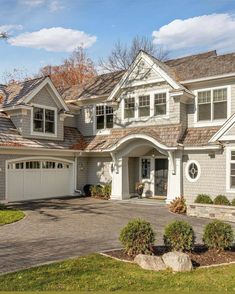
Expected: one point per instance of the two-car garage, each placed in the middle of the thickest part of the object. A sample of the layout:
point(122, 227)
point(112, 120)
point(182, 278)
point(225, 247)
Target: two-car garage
point(38, 178)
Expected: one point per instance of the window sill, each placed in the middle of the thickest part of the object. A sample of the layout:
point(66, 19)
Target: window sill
point(209, 123)
point(103, 132)
point(39, 134)
point(146, 118)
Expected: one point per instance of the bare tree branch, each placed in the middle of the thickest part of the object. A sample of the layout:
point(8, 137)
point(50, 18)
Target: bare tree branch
point(122, 55)
point(4, 35)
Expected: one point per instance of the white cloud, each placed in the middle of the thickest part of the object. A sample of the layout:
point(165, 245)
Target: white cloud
point(55, 5)
point(55, 39)
point(214, 31)
point(10, 28)
point(32, 3)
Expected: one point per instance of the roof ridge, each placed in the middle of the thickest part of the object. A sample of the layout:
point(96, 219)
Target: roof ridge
point(212, 53)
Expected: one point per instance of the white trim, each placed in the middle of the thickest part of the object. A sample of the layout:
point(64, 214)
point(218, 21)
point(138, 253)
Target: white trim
point(105, 130)
point(213, 147)
point(225, 128)
point(150, 62)
point(151, 93)
point(208, 78)
point(228, 162)
point(44, 134)
point(35, 158)
point(212, 122)
point(45, 82)
point(144, 137)
point(15, 108)
point(187, 171)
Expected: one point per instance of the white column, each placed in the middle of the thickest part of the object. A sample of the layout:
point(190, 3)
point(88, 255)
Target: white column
point(120, 180)
point(175, 171)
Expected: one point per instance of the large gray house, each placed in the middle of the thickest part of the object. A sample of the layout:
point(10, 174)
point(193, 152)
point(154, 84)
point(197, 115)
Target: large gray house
point(167, 124)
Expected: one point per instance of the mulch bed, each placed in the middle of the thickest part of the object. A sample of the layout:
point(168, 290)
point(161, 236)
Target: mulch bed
point(200, 256)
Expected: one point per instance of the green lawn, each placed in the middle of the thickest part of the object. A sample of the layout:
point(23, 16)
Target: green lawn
point(96, 272)
point(8, 216)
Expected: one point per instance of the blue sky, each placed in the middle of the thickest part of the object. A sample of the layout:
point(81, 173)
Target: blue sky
point(46, 31)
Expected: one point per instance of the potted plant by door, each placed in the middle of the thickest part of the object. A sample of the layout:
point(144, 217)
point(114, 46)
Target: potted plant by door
point(139, 189)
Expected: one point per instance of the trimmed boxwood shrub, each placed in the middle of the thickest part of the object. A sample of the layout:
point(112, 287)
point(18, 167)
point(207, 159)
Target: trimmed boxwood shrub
point(233, 202)
point(203, 199)
point(179, 236)
point(178, 205)
point(218, 235)
point(221, 200)
point(137, 237)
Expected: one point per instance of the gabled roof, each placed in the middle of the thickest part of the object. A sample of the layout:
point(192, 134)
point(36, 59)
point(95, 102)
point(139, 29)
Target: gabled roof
point(10, 137)
point(101, 85)
point(15, 93)
point(202, 65)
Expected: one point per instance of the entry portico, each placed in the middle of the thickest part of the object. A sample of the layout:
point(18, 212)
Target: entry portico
point(142, 158)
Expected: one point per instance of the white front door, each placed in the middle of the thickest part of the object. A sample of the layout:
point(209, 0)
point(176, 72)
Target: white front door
point(38, 179)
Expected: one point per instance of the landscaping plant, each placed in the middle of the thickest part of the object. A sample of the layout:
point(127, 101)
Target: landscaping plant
point(233, 202)
point(178, 205)
point(218, 235)
point(203, 199)
point(137, 237)
point(101, 192)
point(179, 236)
point(221, 200)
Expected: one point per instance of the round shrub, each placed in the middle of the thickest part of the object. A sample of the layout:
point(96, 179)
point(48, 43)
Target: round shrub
point(221, 200)
point(179, 236)
point(137, 237)
point(218, 235)
point(203, 199)
point(233, 202)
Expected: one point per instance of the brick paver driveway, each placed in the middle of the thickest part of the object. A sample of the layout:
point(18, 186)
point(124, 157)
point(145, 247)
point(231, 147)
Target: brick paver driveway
point(62, 228)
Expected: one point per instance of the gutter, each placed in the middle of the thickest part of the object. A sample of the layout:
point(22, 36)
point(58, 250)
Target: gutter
point(230, 75)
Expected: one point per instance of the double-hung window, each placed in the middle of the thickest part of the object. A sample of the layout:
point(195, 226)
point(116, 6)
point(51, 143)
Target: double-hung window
point(104, 117)
point(144, 106)
point(129, 107)
point(232, 170)
point(212, 104)
point(160, 104)
point(43, 120)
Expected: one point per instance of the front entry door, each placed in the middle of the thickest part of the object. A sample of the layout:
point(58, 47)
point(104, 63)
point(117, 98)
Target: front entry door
point(161, 176)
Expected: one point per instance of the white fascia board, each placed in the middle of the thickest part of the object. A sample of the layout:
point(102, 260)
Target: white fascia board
point(230, 75)
point(15, 108)
point(45, 82)
point(217, 147)
point(225, 127)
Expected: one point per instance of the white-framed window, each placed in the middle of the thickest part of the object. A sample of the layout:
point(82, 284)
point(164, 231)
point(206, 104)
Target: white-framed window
point(160, 104)
point(44, 120)
point(230, 170)
point(145, 168)
point(192, 171)
point(129, 107)
point(212, 104)
point(144, 106)
point(104, 117)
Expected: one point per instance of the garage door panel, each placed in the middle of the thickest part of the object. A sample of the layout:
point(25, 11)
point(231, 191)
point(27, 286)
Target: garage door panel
point(43, 179)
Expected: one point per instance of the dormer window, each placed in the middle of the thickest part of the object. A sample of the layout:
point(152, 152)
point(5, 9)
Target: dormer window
point(144, 106)
point(212, 104)
point(129, 107)
point(43, 120)
point(160, 104)
point(104, 117)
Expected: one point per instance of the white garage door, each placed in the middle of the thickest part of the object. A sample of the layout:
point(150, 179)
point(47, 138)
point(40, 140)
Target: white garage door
point(38, 179)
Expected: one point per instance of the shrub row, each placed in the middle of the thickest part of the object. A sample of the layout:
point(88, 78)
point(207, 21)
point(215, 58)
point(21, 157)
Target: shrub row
point(101, 191)
point(138, 236)
point(219, 200)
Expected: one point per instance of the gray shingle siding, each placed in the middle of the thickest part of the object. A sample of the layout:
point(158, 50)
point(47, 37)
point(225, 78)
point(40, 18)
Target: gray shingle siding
point(98, 170)
point(213, 175)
